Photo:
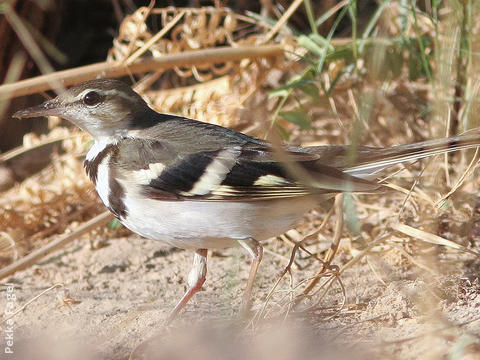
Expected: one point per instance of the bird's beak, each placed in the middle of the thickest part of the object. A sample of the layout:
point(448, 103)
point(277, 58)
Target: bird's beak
point(48, 108)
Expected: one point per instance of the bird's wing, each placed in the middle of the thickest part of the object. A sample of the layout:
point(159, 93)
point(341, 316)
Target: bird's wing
point(227, 165)
point(243, 171)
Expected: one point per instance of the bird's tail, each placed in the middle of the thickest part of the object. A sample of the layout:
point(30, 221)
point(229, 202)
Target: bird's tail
point(370, 161)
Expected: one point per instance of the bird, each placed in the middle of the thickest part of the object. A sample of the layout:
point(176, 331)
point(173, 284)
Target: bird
point(200, 186)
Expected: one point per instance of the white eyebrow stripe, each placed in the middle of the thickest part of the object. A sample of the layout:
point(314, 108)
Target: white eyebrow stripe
point(111, 92)
point(83, 93)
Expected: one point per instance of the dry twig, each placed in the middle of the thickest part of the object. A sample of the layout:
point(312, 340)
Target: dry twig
point(117, 69)
point(100, 220)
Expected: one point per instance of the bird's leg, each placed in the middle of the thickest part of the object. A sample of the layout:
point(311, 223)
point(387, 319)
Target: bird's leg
point(256, 251)
point(196, 278)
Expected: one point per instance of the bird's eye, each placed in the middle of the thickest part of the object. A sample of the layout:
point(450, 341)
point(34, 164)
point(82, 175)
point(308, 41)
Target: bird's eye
point(92, 98)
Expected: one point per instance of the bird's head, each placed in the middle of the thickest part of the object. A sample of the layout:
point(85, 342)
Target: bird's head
point(103, 107)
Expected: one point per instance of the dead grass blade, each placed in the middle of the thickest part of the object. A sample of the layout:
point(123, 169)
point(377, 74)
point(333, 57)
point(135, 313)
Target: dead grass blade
point(154, 39)
point(26, 38)
point(6, 243)
point(38, 254)
point(292, 8)
point(23, 307)
point(11, 154)
point(430, 238)
point(462, 178)
point(331, 251)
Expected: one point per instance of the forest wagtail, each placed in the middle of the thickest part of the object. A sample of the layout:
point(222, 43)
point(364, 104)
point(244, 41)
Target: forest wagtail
point(200, 186)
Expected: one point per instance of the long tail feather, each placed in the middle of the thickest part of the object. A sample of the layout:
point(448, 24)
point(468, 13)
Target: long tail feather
point(368, 163)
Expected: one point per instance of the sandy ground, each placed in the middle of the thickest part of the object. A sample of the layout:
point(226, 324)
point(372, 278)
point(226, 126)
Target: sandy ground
point(115, 297)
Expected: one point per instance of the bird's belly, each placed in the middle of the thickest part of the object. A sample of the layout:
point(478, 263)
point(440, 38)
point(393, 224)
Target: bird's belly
point(211, 224)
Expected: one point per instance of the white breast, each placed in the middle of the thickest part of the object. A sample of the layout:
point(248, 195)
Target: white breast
point(102, 186)
point(98, 146)
point(103, 177)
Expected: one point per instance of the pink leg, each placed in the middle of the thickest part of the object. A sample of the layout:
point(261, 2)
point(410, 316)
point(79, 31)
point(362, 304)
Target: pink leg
point(256, 251)
point(196, 278)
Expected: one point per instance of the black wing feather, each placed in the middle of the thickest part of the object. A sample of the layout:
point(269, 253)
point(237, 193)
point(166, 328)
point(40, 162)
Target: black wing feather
point(256, 159)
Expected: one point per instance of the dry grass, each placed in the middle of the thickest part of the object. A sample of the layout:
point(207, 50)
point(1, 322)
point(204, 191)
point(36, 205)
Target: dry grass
point(423, 225)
